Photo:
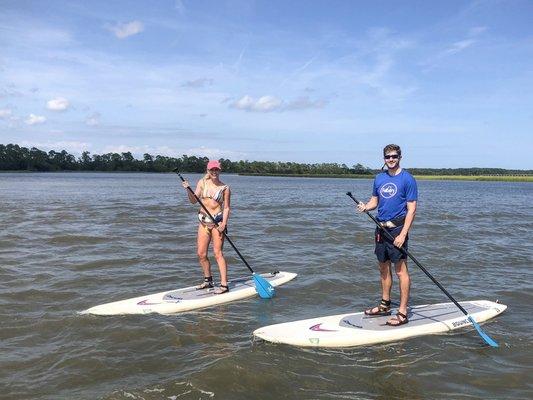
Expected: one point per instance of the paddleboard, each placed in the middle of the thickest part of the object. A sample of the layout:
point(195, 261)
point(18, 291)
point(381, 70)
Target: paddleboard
point(186, 299)
point(347, 330)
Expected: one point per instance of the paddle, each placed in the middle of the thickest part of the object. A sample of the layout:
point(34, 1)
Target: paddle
point(485, 337)
point(262, 286)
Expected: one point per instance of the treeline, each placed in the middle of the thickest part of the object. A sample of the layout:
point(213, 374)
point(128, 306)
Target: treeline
point(16, 158)
point(469, 171)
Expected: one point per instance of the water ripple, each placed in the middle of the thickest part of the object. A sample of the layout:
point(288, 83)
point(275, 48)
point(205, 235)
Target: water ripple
point(70, 241)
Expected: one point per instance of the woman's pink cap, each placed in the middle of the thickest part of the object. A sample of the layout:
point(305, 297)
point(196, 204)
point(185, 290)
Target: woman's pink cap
point(213, 164)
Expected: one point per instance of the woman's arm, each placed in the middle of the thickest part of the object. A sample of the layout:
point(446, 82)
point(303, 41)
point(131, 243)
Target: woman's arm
point(225, 215)
point(198, 190)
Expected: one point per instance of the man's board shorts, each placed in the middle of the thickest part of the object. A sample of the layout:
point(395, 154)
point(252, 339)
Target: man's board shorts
point(385, 249)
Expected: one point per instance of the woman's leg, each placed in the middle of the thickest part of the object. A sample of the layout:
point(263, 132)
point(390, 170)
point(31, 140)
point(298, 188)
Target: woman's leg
point(218, 244)
point(203, 244)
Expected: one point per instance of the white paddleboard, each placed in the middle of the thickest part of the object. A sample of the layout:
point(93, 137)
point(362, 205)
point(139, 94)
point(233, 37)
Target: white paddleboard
point(179, 300)
point(347, 330)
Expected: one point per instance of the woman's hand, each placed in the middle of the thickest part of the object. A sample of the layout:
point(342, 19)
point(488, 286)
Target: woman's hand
point(221, 227)
point(185, 184)
point(361, 207)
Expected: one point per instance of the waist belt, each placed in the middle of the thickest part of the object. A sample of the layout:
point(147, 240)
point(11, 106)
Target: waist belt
point(393, 223)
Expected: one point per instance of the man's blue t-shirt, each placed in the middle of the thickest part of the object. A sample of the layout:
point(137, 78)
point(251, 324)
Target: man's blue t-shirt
point(393, 193)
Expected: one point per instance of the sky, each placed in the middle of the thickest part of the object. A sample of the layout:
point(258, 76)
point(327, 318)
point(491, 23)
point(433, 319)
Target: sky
point(311, 81)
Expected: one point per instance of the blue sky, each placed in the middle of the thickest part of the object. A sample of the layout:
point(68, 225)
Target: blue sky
point(306, 81)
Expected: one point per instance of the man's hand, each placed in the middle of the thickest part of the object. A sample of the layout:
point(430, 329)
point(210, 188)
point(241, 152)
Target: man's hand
point(400, 240)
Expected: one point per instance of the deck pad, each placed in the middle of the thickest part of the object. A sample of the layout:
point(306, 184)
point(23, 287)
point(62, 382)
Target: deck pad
point(417, 316)
point(189, 298)
point(356, 329)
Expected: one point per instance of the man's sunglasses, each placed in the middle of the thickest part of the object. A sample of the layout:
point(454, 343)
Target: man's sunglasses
point(393, 156)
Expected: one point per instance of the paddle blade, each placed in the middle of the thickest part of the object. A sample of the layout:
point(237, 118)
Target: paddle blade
point(485, 337)
point(263, 287)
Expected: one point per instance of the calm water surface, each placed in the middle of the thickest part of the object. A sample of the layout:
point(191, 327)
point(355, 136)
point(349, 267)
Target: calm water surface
point(71, 241)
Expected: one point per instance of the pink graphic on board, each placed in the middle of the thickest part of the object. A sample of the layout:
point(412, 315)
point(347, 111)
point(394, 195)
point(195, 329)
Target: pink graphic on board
point(318, 328)
point(146, 303)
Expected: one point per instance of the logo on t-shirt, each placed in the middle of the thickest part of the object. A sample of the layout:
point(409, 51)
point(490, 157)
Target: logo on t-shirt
point(388, 190)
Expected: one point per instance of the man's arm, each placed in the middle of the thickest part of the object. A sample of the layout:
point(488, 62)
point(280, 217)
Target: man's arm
point(409, 218)
point(370, 205)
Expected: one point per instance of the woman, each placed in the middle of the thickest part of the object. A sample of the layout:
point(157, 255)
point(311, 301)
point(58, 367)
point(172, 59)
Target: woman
point(215, 196)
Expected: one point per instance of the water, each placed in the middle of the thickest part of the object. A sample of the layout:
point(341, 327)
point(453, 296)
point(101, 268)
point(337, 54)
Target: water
point(71, 241)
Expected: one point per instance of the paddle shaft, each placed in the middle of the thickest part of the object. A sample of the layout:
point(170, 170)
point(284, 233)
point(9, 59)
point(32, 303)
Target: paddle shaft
point(390, 237)
point(216, 224)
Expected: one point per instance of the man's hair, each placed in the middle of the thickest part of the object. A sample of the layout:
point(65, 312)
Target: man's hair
point(392, 147)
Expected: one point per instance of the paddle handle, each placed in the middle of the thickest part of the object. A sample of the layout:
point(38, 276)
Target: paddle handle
point(215, 223)
point(405, 251)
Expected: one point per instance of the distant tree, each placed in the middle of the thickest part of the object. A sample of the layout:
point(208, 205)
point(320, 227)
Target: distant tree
point(85, 161)
point(38, 160)
point(15, 157)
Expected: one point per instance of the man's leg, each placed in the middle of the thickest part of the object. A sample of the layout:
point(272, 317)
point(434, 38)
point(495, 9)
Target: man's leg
point(385, 276)
point(386, 284)
point(386, 279)
point(405, 283)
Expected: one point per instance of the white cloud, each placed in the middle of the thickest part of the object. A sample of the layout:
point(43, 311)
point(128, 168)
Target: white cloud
point(198, 83)
point(139, 151)
point(123, 30)
point(35, 119)
point(459, 46)
point(6, 113)
point(10, 91)
point(267, 103)
point(202, 151)
point(214, 153)
point(17, 32)
point(57, 104)
point(245, 103)
point(271, 103)
point(123, 148)
point(262, 104)
point(298, 71)
point(304, 102)
point(70, 146)
point(93, 120)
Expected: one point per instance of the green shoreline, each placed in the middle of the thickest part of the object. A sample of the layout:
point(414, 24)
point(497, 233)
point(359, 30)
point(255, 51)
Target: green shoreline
point(482, 178)
point(479, 178)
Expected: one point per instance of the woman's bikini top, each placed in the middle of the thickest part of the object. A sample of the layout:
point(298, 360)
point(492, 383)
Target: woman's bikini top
point(218, 195)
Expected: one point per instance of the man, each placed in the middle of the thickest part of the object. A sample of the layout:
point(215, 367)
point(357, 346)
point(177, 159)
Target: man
point(395, 195)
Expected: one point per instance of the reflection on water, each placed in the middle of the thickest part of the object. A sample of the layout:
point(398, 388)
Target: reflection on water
point(71, 241)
